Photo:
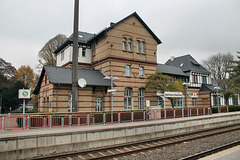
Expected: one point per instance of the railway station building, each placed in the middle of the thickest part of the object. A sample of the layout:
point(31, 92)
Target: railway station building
point(128, 49)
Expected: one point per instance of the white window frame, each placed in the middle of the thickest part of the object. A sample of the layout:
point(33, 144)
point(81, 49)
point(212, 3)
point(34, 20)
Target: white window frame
point(194, 102)
point(128, 98)
point(124, 43)
point(138, 46)
point(141, 98)
point(98, 108)
point(130, 45)
point(128, 71)
point(159, 101)
point(141, 71)
point(177, 103)
point(62, 55)
point(143, 47)
point(83, 52)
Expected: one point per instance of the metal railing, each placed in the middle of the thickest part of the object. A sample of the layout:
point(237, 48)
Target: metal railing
point(9, 122)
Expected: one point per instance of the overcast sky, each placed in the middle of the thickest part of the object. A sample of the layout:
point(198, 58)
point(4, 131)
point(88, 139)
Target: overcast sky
point(197, 27)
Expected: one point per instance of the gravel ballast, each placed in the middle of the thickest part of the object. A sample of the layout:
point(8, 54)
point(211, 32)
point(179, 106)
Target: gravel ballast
point(181, 150)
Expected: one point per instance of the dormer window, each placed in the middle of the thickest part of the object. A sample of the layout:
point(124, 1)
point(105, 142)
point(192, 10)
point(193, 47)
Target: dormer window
point(204, 79)
point(195, 79)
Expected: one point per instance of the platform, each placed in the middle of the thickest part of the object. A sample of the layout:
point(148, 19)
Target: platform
point(229, 154)
point(28, 143)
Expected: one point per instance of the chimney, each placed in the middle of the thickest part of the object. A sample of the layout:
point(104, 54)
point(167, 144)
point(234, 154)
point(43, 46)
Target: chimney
point(172, 58)
point(111, 24)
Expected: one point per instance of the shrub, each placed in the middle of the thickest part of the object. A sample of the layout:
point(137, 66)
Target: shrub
point(214, 109)
point(233, 108)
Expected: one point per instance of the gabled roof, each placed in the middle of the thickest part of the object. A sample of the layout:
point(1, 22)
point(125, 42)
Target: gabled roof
point(167, 69)
point(187, 63)
point(209, 88)
point(83, 38)
point(63, 75)
point(115, 24)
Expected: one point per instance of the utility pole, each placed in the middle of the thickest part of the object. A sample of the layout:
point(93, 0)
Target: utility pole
point(75, 59)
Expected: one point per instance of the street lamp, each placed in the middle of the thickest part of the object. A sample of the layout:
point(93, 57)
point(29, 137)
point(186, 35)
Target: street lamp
point(187, 84)
point(111, 78)
point(217, 88)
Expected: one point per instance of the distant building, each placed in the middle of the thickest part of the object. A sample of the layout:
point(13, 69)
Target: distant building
point(128, 48)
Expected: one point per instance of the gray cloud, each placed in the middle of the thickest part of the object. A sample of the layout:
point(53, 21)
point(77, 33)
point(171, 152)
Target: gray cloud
point(199, 27)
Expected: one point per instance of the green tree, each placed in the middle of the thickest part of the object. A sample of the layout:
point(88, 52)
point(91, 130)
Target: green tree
point(10, 97)
point(46, 55)
point(161, 83)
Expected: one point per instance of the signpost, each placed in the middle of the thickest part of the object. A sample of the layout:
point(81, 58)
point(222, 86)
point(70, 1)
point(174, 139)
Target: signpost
point(24, 94)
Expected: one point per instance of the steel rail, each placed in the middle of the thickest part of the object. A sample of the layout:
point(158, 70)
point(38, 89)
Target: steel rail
point(211, 151)
point(169, 140)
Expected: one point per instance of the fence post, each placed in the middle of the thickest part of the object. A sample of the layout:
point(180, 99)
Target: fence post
point(144, 115)
point(119, 117)
point(132, 116)
point(44, 122)
point(203, 111)
point(24, 122)
point(197, 112)
point(70, 120)
point(155, 115)
point(165, 114)
point(2, 123)
point(174, 113)
point(28, 122)
point(104, 118)
point(227, 108)
point(88, 121)
point(62, 119)
point(190, 112)
point(78, 121)
point(50, 121)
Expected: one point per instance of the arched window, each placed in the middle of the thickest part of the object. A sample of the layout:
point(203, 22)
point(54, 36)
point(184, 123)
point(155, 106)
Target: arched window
point(128, 98)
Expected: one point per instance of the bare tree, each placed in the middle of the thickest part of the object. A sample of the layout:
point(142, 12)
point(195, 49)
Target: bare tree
point(219, 65)
point(46, 55)
point(7, 71)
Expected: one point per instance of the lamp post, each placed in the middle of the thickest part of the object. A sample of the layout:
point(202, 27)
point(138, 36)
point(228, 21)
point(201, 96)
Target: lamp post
point(217, 88)
point(111, 78)
point(187, 84)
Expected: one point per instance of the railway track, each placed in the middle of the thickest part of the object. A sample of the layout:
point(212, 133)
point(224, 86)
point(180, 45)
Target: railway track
point(140, 146)
point(211, 151)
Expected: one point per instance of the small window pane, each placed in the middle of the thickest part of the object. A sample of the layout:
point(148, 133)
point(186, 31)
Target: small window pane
point(130, 45)
point(138, 46)
point(83, 52)
point(128, 98)
point(143, 47)
point(124, 43)
point(128, 71)
point(141, 71)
